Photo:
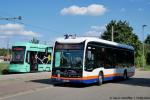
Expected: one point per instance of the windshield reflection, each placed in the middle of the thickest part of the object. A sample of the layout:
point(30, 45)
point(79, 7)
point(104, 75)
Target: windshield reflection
point(69, 58)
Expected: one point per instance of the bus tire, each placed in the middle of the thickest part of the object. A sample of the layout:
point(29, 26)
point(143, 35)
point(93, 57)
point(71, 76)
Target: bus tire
point(125, 76)
point(100, 79)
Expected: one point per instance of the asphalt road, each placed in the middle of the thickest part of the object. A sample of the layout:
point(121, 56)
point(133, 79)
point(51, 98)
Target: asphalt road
point(136, 88)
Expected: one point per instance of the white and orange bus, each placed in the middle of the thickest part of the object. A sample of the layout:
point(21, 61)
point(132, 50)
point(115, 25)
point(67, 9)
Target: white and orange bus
point(91, 60)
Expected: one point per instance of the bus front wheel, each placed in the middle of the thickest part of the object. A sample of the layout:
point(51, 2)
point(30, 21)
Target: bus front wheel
point(100, 79)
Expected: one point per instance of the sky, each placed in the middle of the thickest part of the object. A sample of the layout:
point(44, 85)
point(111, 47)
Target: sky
point(49, 19)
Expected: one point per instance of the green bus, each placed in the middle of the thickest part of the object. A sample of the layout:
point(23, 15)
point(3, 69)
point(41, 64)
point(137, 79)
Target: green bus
point(29, 57)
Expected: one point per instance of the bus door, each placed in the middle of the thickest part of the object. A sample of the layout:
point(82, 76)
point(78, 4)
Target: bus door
point(32, 61)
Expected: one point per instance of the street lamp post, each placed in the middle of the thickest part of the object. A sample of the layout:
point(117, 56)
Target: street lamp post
point(143, 26)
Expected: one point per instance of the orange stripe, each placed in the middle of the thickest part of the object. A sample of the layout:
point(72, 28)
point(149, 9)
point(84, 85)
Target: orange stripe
point(89, 77)
point(84, 78)
point(116, 74)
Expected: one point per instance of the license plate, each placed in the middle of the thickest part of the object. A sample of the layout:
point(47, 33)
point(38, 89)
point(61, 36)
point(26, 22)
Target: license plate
point(66, 81)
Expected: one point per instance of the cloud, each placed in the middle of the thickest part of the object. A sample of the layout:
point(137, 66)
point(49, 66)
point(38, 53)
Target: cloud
point(98, 28)
point(122, 9)
point(140, 9)
point(95, 31)
point(15, 29)
point(92, 10)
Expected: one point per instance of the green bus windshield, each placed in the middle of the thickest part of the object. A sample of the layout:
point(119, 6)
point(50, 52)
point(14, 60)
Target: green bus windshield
point(18, 55)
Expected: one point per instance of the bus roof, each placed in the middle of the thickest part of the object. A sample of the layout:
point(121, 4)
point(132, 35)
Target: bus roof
point(27, 44)
point(92, 39)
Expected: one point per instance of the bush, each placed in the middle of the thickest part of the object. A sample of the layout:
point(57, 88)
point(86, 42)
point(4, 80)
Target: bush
point(4, 68)
point(5, 71)
point(138, 62)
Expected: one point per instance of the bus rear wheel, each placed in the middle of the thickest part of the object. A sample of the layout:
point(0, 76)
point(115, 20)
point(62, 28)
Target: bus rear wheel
point(100, 79)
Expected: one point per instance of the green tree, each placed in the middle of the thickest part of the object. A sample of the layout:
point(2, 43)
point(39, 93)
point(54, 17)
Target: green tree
point(3, 52)
point(147, 40)
point(123, 33)
point(147, 49)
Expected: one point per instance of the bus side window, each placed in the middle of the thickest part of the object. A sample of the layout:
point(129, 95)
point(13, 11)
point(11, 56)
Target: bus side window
point(95, 58)
point(100, 57)
point(48, 58)
point(109, 58)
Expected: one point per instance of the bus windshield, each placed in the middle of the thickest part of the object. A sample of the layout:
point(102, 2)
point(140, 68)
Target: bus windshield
point(18, 55)
point(68, 56)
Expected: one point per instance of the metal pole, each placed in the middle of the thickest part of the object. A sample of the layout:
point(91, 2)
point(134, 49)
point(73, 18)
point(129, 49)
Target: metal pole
point(11, 19)
point(143, 45)
point(7, 46)
point(112, 33)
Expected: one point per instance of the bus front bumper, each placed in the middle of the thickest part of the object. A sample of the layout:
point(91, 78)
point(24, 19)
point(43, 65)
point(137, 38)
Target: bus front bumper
point(75, 80)
point(17, 68)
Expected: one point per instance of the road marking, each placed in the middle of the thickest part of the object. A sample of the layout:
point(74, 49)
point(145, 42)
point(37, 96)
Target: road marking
point(26, 92)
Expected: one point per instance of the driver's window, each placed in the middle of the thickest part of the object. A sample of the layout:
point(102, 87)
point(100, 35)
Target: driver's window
point(89, 63)
point(95, 58)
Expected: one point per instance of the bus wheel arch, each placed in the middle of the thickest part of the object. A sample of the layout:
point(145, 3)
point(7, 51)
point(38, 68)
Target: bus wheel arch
point(100, 78)
point(125, 75)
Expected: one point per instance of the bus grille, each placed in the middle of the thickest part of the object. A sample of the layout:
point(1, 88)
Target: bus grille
point(67, 73)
